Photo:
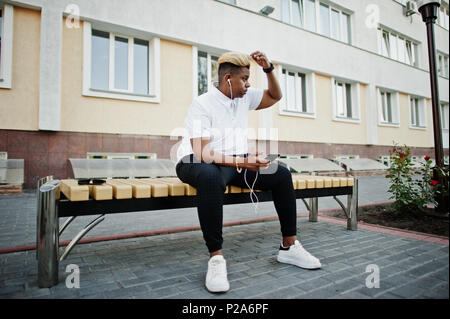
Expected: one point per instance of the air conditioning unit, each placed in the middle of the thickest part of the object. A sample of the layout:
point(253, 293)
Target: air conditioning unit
point(410, 8)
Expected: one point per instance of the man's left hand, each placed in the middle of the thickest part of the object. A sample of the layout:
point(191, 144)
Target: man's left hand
point(261, 59)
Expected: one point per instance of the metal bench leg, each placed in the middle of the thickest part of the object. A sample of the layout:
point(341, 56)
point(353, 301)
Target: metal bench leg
point(352, 208)
point(314, 211)
point(80, 235)
point(47, 237)
point(41, 182)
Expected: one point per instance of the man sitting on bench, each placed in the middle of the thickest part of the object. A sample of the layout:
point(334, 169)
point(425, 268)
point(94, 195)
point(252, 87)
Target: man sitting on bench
point(214, 154)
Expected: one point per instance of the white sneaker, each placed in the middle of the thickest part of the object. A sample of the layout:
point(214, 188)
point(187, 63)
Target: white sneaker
point(298, 256)
point(216, 277)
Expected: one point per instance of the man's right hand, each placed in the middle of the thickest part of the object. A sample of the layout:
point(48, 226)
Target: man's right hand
point(253, 162)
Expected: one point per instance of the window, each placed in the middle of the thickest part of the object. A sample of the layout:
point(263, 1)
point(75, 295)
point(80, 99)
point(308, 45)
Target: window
point(417, 112)
point(324, 20)
point(310, 15)
point(388, 108)
point(397, 47)
point(119, 63)
point(442, 19)
point(346, 99)
point(120, 66)
point(343, 99)
point(292, 12)
point(207, 71)
point(293, 86)
point(335, 24)
point(444, 116)
point(332, 22)
point(443, 65)
point(6, 34)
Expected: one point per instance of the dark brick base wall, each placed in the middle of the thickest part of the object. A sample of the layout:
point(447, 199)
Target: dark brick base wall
point(47, 153)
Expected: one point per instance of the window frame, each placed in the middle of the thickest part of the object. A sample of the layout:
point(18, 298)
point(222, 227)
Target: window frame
point(308, 94)
point(386, 46)
point(444, 115)
point(355, 100)
point(395, 109)
point(443, 17)
point(6, 46)
point(421, 109)
point(153, 95)
point(209, 58)
point(443, 69)
point(342, 16)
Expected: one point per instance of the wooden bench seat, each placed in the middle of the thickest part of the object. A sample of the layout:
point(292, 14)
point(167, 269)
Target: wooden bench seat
point(163, 187)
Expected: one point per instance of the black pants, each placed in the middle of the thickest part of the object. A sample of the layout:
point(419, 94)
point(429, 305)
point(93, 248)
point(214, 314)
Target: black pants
point(210, 180)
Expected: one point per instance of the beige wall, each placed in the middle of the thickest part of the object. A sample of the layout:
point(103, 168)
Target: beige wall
point(404, 134)
point(93, 114)
point(322, 129)
point(20, 104)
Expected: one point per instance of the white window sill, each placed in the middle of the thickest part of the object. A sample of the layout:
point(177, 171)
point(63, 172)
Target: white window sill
point(298, 114)
point(420, 128)
point(4, 84)
point(121, 96)
point(347, 120)
point(389, 124)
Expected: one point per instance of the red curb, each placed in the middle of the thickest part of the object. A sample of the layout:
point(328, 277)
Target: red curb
point(323, 218)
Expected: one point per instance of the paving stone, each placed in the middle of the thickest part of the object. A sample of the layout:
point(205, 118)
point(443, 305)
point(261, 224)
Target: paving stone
point(408, 291)
point(313, 284)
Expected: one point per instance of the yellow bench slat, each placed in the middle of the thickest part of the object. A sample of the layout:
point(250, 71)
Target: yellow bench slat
point(139, 190)
point(120, 190)
point(73, 191)
point(188, 189)
point(175, 188)
point(101, 192)
point(158, 189)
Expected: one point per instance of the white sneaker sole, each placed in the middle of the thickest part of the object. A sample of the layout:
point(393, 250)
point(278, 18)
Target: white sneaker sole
point(217, 290)
point(297, 263)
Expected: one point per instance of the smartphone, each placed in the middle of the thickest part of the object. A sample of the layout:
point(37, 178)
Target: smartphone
point(272, 157)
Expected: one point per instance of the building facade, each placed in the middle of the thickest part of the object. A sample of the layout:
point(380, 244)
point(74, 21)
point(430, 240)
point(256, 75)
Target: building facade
point(83, 77)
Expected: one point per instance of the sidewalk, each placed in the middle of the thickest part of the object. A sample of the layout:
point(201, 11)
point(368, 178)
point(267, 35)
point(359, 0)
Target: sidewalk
point(174, 265)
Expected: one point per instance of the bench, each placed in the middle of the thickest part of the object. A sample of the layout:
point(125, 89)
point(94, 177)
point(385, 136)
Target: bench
point(65, 198)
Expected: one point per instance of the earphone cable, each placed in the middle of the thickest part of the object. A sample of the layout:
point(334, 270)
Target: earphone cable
point(252, 192)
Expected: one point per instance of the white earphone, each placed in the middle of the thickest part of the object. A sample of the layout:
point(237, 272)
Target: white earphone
point(252, 192)
point(231, 91)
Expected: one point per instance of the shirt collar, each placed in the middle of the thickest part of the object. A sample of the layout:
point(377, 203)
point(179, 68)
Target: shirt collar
point(222, 97)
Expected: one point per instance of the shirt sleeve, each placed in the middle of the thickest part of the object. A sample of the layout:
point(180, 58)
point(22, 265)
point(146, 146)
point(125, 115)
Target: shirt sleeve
point(198, 121)
point(254, 97)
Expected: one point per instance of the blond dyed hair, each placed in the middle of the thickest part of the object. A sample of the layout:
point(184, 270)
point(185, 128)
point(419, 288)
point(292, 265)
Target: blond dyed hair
point(236, 58)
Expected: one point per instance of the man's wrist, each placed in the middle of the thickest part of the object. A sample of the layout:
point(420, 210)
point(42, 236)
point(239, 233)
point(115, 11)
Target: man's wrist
point(269, 69)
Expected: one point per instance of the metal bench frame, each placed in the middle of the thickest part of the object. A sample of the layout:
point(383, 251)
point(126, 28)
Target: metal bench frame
point(51, 209)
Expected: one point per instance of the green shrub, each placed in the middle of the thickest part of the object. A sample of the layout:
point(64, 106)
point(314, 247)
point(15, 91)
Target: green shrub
point(410, 194)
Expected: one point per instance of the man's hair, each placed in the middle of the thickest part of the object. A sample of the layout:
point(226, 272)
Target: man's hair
point(231, 62)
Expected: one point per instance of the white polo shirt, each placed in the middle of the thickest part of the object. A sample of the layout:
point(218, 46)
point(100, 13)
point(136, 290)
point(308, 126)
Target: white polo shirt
point(225, 121)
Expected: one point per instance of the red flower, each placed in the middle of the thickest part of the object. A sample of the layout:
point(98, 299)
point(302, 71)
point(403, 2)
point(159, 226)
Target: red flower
point(426, 158)
point(402, 155)
point(434, 183)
